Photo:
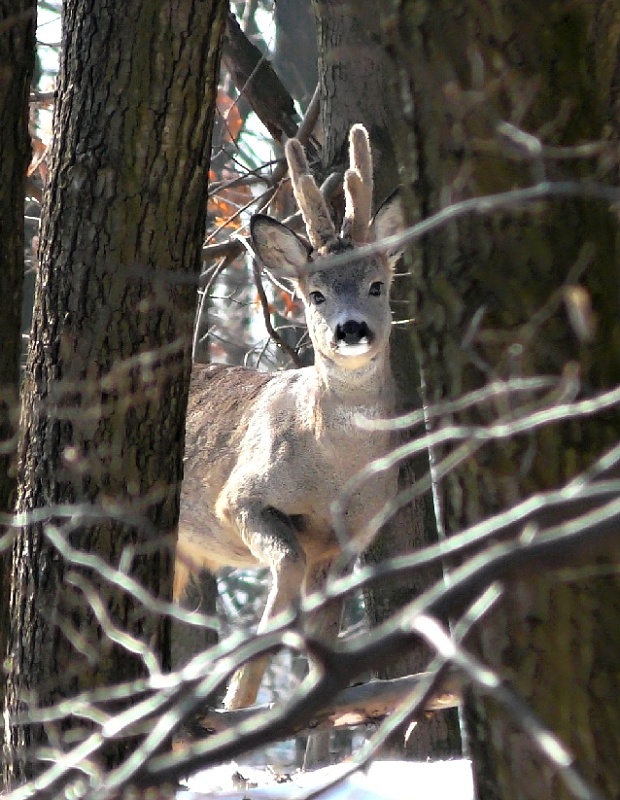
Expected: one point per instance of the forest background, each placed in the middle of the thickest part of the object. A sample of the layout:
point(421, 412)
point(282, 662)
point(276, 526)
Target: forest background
point(500, 122)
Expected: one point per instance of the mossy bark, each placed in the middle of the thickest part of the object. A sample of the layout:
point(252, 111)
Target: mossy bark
point(492, 303)
point(108, 366)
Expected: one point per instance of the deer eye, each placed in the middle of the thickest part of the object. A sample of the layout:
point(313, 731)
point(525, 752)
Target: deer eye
point(375, 289)
point(317, 298)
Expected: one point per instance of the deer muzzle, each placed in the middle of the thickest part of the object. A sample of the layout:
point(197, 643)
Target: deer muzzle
point(353, 338)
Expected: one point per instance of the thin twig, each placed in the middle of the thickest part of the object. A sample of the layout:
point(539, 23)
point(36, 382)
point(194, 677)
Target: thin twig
point(264, 303)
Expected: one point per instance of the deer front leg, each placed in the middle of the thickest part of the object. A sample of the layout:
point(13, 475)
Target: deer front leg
point(324, 624)
point(271, 538)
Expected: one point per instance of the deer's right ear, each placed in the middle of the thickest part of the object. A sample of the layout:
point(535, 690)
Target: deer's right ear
point(388, 220)
point(277, 247)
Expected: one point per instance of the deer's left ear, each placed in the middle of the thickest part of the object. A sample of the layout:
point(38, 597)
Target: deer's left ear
point(389, 220)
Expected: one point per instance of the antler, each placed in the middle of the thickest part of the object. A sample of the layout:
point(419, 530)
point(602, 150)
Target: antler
point(358, 187)
point(319, 225)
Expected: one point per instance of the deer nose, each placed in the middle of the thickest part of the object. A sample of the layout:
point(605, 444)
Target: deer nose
point(353, 332)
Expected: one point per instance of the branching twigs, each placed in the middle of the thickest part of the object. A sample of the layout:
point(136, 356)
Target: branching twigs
point(586, 490)
point(115, 634)
point(181, 695)
point(414, 705)
point(119, 580)
point(264, 304)
point(489, 204)
point(206, 282)
point(590, 501)
point(496, 392)
point(233, 246)
point(540, 510)
point(502, 201)
point(449, 651)
point(507, 426)
point(556, 547)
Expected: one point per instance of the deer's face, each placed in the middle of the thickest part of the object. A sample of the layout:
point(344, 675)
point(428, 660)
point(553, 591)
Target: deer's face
point(348, 310)
point(347, 305)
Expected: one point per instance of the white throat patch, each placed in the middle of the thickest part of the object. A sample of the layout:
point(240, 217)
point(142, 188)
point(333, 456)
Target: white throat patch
point(359, 349)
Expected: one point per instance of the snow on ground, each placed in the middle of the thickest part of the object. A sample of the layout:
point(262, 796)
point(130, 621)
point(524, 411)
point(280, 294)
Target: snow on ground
point(383, 780)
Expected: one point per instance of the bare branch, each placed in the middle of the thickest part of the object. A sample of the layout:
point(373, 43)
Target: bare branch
point(264, 304)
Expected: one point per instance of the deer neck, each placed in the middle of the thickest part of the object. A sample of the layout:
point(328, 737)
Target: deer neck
point(369, 386)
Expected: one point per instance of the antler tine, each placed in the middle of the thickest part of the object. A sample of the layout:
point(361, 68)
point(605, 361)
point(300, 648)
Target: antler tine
point(360, 153)
point(319, 225)
point(358, 187)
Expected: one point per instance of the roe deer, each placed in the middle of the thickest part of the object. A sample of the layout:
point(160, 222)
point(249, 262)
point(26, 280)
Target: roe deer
point(268, 453)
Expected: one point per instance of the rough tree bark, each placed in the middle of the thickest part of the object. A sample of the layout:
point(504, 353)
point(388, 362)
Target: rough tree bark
point(109, 359)
point(357, 85)
point(17, 43)
point(493, 294)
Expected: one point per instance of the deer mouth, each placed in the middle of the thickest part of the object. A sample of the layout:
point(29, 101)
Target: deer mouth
point(353, 350)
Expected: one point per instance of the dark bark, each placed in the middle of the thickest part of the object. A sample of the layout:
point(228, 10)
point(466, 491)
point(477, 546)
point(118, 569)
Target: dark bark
point(109, 359)
point(200, 595)
point(17, 43)
point(357, 85)
point(492, 302)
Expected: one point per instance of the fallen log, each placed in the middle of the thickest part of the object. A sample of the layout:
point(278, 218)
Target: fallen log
point(363, 704)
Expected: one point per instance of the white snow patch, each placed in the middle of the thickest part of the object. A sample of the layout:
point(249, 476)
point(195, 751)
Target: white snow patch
point(383, 780)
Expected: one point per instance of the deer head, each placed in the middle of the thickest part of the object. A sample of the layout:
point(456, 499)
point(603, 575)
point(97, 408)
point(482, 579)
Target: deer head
point(347, 306)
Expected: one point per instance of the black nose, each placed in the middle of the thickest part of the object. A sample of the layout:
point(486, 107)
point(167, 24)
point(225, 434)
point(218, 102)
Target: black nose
point(353, 332)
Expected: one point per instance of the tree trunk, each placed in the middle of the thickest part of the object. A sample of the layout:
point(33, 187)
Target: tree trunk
point(506, 295)
point(17, 43)
point(357, 85)
point(109, 359)
point(354, 86)
point(295, 54)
